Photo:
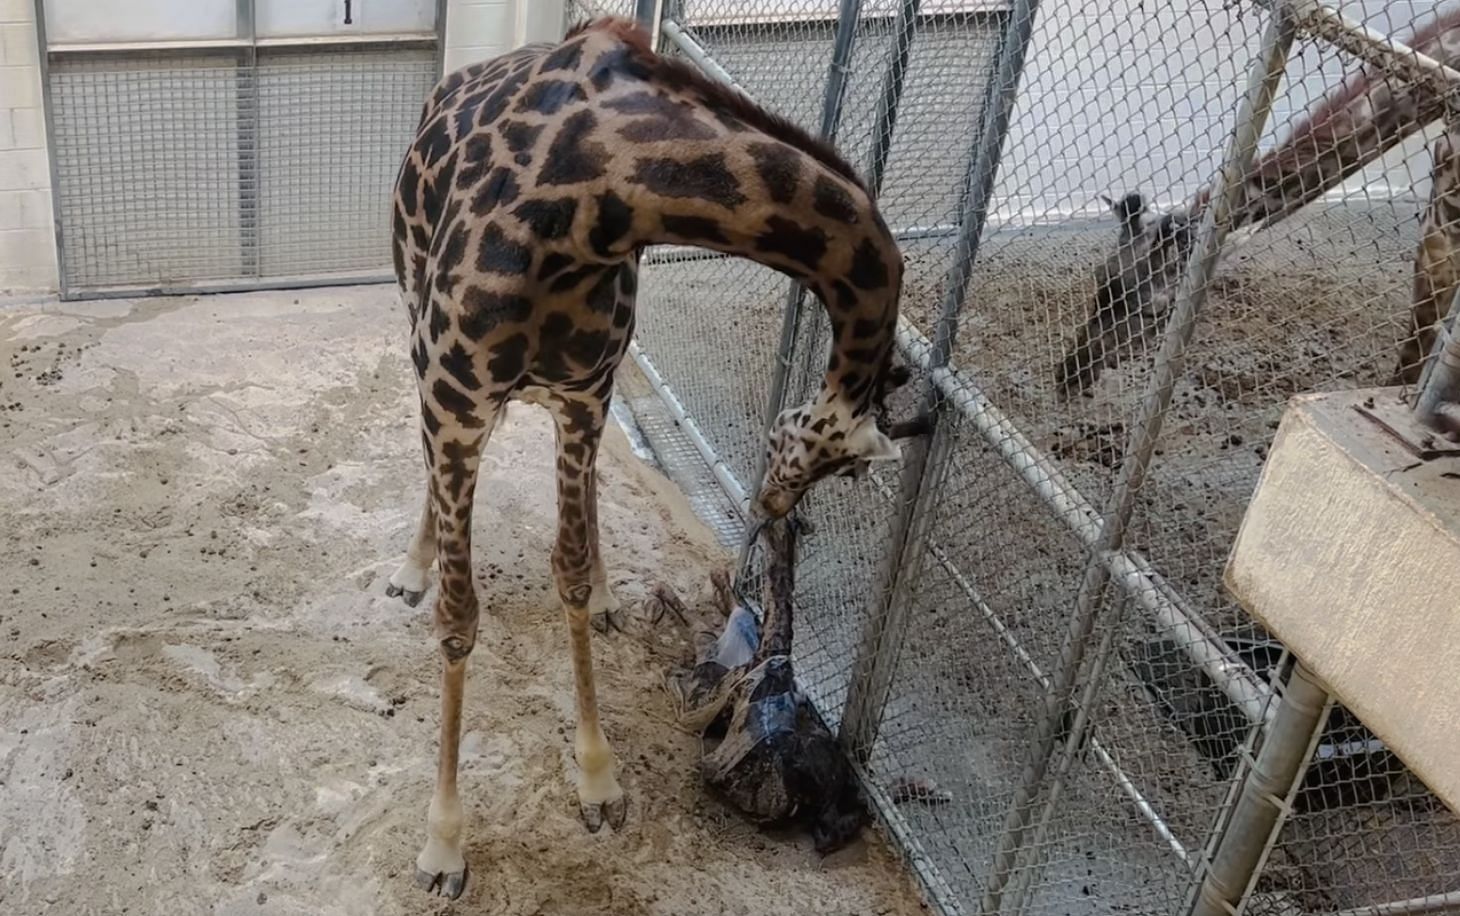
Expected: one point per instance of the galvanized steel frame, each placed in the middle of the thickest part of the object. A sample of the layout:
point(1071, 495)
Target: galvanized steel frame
point(1100, 531)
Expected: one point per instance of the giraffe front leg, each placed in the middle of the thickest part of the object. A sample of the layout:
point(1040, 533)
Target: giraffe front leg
point(579, 427)
point(408, 582)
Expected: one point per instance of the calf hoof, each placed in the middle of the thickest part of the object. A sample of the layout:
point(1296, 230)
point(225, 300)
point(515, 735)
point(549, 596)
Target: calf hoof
point(613, 813)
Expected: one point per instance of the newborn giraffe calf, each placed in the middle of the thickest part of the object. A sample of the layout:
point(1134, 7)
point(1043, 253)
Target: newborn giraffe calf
point(534, 182)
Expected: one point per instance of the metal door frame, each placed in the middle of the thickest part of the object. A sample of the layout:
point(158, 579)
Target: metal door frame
point(244, 47)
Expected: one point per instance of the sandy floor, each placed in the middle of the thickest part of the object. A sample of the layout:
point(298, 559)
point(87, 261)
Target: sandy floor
point(207, 704)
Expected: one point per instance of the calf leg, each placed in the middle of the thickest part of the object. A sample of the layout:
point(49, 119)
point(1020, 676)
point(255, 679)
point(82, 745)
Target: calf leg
point(579, 430)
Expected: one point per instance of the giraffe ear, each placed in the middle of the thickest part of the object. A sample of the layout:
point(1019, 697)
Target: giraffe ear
point(868, 443)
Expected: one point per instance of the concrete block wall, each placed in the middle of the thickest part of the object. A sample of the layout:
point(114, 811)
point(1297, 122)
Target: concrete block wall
point(27, 240)
point(475, 29)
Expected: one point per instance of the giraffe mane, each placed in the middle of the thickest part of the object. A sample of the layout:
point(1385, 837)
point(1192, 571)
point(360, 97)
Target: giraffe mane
point(719, 97)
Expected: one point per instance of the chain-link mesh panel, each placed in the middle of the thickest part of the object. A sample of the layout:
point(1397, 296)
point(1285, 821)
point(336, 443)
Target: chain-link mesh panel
point(149, 169)
point(936, 608)
point(182, 170)
point(332, 127)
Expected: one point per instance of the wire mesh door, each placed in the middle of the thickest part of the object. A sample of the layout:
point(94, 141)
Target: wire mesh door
point(256, 150)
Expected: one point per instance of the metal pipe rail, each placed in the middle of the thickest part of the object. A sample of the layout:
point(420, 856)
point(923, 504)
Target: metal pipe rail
point(1130, 571)
point(723, 476)
point(1320, 21)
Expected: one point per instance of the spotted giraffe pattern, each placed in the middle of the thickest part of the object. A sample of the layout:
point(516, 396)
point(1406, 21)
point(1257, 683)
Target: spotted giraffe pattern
point(533, 183)
point(1437, 260)
point(1348, 128)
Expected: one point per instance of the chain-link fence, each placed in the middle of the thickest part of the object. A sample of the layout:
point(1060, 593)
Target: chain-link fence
point(1020, 632)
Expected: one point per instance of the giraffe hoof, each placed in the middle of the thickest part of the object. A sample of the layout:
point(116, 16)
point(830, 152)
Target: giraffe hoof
point(409, 597)
point(613, 813)
point(443, 884)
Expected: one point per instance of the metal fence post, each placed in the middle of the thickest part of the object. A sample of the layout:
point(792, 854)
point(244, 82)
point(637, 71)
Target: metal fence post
point(888, 101)
point(1267, 794)
point(878, 644)
point(831, 113)
point(651, 14)
point(1263, 79)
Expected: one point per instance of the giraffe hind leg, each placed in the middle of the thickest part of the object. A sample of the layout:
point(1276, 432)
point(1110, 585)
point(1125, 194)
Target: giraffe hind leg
point(579, 430)
point(454, 458)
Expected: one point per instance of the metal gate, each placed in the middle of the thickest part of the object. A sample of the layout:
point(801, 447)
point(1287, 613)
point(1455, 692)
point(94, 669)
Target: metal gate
point(229, 144)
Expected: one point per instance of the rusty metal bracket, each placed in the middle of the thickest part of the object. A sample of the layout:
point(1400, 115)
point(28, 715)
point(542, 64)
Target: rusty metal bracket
point(1396, 416)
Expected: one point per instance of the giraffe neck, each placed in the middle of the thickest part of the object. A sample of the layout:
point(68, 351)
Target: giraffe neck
point(1354, 124)
point(692, 162)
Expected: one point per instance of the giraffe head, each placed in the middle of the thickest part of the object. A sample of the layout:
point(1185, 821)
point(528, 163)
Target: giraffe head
point(833, 435)
point(817, 440)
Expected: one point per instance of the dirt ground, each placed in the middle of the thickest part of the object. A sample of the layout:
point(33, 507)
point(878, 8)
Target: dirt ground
point(207, 703)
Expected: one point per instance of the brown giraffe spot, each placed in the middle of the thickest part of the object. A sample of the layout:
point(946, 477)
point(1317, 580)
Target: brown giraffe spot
point(500, 254)
point(868, 269)
point(454, 457)
point(615, 219)
point(779, 168)
point(832, 201)
point(602, 298)
point(455, 403)
point(520, 136)
point(482, 311)
point(409, 179)
point(628, 281)
point(450, 257)
point(552, 262)
point(427, 450)
point(573, 157)
point(574, 278)
point(496, 104)
point(435, 191)
point(476, 159)
point(457, 363)
point(501, 188)
point(694, 229)
point(419, 357)
point(434, 142)
point(397, 246)
point(805, 246)
point(548, 97)
point(509, 360)
point(548, 219)
point(564, 57)
point(438, 322)
point(666, 119)
point(704, 178)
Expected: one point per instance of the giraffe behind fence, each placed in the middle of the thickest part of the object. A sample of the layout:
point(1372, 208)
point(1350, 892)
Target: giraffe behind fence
point(534, 182)
point(1350, 127)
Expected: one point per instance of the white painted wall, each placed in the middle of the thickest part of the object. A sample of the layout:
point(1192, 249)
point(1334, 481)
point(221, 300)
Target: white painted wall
point(27, 241)
point(480, 29)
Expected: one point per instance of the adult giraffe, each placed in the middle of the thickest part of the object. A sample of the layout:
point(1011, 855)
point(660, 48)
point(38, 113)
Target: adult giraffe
point(534, 181)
